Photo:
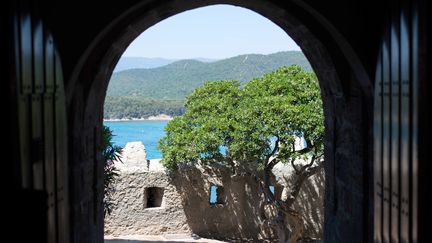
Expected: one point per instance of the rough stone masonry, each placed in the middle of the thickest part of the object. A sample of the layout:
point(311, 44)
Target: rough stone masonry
point(150, 201)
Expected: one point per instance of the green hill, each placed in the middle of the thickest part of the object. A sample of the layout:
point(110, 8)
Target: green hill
point(164, 88)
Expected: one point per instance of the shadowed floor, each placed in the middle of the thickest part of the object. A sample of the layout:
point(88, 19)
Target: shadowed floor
point(157, 239)
point(180, 238)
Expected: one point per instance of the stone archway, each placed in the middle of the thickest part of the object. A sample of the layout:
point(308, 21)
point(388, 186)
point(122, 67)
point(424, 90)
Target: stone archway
point(346, 92)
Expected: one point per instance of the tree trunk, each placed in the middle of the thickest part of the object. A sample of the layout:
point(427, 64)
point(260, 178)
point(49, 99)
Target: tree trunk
point(288, 224)
point(282, 222)
point(280, 225)
point(230, 160)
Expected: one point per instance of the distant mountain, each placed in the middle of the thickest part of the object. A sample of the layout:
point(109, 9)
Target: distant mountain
point(137, 93)
point(178, 79)
point(203, 59)
point(126, 63)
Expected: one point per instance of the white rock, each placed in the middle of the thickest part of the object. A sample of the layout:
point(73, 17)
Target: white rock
point(155, 165)
point(134, 157)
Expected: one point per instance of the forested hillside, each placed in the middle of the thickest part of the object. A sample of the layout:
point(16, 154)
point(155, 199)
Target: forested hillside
point(139, 93)
point(126, 63)
point(139, 106)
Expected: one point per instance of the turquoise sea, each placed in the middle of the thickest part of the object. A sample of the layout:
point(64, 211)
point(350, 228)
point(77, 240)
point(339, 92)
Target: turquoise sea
point(148, 132)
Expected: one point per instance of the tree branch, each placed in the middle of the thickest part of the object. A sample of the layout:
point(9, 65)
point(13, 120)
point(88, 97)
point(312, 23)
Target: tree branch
point(268, 194)
point(314, 157)
point(309, 147)
point(275, 149)
point(229, 159)
point(313, 170)
point(298, 180)
point(294, 166)
point(310, 163)
point(319, 155)
point(272, 163)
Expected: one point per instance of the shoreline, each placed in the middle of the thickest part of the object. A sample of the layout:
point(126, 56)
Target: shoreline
point(161, 117)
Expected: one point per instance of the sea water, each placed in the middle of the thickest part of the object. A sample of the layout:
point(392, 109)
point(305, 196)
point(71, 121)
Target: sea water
point(148, 132)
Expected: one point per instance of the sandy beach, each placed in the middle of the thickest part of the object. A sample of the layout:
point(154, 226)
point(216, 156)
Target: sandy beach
point(161, 117)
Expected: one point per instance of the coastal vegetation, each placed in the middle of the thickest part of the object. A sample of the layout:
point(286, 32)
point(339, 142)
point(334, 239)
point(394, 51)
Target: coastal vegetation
point(252, 128)
point(110, 153)
point(141, 107)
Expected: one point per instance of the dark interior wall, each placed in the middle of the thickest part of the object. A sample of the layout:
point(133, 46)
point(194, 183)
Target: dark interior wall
point(78, 23)
point(91, 35)
point(37, 127)
point(92, 42)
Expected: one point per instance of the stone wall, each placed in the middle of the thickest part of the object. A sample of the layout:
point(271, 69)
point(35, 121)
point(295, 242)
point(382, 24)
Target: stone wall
point(237, 217)
point(185, 206)
point(130, 214)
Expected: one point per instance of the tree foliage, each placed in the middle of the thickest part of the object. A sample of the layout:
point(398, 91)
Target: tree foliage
point(247, 122)
point(110, 153)
point(252, 128)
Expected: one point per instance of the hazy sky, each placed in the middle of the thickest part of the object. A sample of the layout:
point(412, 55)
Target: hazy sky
point(217, 31)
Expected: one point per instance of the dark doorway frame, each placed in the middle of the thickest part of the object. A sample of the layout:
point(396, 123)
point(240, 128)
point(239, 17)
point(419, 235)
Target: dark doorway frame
point(346, 89)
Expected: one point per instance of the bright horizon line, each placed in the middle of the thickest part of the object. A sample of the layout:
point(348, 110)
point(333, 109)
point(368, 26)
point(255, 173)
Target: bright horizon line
point(216, 58)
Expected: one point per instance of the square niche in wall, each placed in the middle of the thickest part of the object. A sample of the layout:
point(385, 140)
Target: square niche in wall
point(153, 197)
point(217, 195)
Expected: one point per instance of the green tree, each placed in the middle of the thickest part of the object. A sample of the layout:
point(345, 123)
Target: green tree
point(251, 129)
point(111, 153)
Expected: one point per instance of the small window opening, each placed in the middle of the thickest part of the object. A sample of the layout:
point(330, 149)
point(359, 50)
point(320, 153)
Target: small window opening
point(272, 189)
point(276, 191)
point(153, 197)
point(216, 195)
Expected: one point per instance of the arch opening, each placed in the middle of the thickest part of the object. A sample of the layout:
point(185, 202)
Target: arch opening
point(262, 56)
point(344, 95)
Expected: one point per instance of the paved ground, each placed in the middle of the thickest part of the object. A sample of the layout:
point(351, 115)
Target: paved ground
point(174, 238)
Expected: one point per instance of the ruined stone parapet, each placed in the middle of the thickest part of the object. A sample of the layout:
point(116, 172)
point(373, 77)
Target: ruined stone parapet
point(149, 201)
point(134, 158)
